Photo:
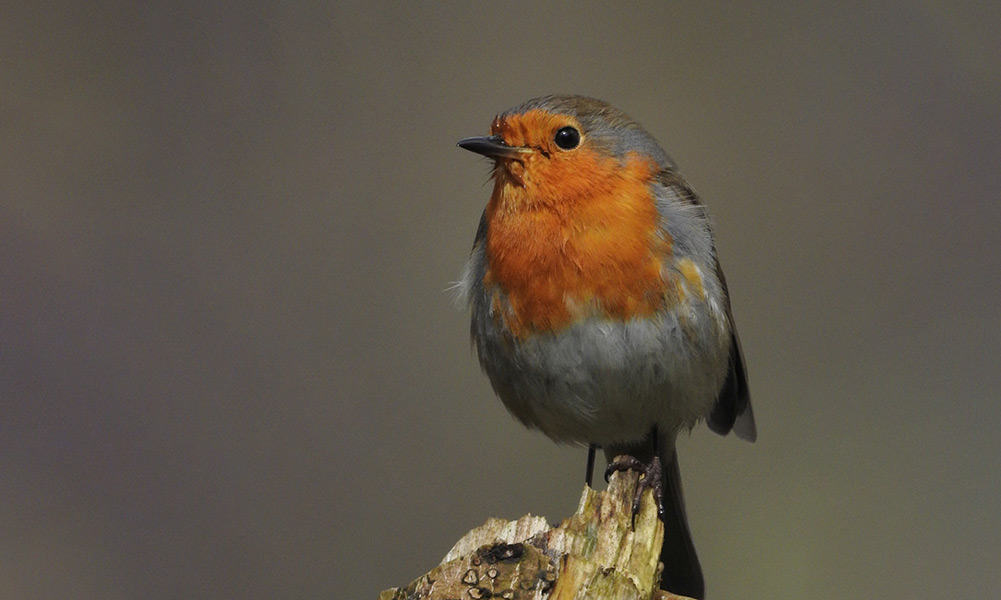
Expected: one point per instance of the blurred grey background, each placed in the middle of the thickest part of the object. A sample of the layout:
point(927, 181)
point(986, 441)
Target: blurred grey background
point(229, 367)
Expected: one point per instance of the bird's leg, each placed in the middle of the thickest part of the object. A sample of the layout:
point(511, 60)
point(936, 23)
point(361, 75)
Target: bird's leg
point(651, 478)
point(590, 463)
point(651, 474)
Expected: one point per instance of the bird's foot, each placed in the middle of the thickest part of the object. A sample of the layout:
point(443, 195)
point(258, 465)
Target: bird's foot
point(651, 478)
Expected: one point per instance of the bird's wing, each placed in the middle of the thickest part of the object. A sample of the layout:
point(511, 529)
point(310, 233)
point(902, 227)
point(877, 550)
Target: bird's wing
point(732, 410)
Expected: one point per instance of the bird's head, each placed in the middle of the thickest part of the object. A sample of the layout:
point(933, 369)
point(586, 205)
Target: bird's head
point(560, 151)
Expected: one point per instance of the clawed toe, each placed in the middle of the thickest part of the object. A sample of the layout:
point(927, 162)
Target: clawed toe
point(651, 477)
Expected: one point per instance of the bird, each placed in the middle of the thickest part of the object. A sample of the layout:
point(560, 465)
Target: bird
point(599, 310)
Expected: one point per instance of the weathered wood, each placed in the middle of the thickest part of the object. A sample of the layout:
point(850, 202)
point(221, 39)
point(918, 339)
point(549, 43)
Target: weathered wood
point(600, 552)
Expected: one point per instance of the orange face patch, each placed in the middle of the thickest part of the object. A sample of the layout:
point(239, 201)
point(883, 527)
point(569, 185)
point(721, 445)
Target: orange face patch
point(572, 233)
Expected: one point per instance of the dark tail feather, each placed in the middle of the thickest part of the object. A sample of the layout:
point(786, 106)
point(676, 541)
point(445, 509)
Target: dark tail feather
point(682, 572)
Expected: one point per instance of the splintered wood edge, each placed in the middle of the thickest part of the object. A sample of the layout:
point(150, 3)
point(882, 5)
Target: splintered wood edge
point(497, 531)
point(600, 551)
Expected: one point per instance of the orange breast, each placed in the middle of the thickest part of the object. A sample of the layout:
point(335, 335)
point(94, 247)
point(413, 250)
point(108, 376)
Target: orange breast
point(575, 238)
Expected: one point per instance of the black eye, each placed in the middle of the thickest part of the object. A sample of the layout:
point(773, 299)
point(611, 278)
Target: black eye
point(567, 138)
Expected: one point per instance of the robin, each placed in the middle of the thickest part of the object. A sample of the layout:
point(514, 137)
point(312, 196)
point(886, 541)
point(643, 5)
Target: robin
point(599, 309)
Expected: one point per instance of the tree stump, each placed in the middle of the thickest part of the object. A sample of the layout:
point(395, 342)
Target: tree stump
point(602, 552)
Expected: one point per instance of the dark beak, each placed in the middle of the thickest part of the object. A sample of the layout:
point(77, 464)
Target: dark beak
point(492, 146)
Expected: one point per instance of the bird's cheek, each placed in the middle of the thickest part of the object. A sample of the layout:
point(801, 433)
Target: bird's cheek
point(516, 169)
